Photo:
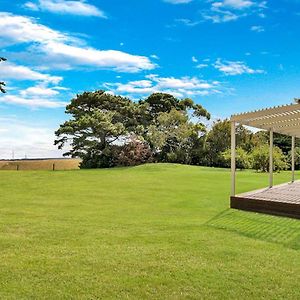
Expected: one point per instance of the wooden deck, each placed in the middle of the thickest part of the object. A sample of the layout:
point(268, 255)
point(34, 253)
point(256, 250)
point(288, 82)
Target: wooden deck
point(283, 200)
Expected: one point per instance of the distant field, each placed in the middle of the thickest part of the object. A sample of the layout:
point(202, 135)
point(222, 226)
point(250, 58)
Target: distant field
point(40, 164)
point(156, 231)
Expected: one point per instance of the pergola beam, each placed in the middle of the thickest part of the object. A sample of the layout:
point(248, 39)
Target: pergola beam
point(293, 158)
point(292, 130)
point(271, 160)
point(233, 163)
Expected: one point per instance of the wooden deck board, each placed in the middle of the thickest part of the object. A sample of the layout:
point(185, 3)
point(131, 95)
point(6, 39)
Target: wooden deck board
point(280, 200)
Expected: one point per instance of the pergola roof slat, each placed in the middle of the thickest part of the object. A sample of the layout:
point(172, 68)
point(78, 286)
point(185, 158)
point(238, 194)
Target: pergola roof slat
point(281, 119)
point(276, 119)
point(266, 112)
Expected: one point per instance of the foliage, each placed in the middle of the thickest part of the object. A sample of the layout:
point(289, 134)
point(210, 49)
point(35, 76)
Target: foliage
point(172, 136)
point(135, 152)
point(282, 141)
point(217, 141)
point(297, 157)
point(98, 120)
point(173, 127)
point(260, 159)
point(163, 103)
point(243, 158)
point(101, 123)
point(165, 129)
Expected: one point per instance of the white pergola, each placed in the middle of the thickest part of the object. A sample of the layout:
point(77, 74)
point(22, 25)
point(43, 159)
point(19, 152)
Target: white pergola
point(281, 119)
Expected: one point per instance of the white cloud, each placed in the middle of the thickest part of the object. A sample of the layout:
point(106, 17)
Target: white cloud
point(257, 28)
point(79, 7)
point(33, 102)
point(178, 1)
point(187, 22)
point(65, 50)
point(235, 68)
point(235, 4)
point(38, 96)
point(40, 90)
point(23, 138)
point(262, 15)
point(20, 29)
point(220, 16)
point(179, 87)
point(154, 56)
point(194, 59)
point(201, 66)
point(230, 10)
point(17, 72)
point(31, 6)
point(106, 59)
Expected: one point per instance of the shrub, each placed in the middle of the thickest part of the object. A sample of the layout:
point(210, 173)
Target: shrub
point(297, 157)
point(260, 159)
point(243, 160)
point(105, 159)
point(135, 152)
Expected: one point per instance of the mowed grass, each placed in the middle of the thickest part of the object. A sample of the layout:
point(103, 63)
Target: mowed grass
point(155, 231)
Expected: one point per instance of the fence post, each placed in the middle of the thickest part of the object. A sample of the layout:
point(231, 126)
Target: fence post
point(53, 167)
point(17, 167)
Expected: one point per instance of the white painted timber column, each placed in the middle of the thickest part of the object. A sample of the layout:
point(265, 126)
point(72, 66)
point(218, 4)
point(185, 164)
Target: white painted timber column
point(233, 142)
point(271, 160)
point(293, 158)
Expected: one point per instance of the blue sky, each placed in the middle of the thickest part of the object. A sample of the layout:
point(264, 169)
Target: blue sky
point(229, 55)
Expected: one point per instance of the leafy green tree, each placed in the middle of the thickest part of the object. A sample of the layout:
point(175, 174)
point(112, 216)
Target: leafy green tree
point(297, 157)
point(2, 84)
point(163, 103)
point(217, 142)
point(172, 136)
point(260, 159)
point(284, 142)
point(98, 121)
point(173, 126)
point(243, 159)
point(101, 124)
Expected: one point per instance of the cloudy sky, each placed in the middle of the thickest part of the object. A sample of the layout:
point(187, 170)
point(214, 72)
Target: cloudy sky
point(229, 55)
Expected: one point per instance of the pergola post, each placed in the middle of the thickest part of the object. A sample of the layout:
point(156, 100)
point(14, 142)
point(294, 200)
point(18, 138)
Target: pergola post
point(233, 146)
point(293, 158)
point(271, 160)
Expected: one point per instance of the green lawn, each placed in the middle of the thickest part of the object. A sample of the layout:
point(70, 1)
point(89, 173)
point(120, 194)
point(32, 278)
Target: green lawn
point(154, 231)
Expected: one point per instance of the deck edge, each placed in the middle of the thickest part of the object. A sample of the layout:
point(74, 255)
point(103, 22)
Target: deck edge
point(284, 209)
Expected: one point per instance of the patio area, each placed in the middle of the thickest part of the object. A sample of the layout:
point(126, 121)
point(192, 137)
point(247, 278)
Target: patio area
point(282, 199)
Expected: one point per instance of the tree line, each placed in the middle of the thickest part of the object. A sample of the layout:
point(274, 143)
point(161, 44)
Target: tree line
point(106, 130)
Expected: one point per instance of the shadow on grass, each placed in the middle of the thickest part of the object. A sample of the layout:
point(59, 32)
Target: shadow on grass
point(268, 228)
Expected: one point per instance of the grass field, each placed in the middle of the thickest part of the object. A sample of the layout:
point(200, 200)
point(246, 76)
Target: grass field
point(40, 164)
point(155, 231)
